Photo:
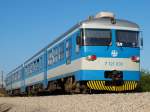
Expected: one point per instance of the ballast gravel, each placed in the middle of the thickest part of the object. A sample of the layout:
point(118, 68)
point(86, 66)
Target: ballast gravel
point(129, 102)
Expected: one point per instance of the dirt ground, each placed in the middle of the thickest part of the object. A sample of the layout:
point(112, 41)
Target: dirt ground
point(129, 102)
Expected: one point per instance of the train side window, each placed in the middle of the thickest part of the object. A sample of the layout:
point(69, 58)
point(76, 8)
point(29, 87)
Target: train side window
point(32, 67)
point(38, 60)
point(25, 69)
point(79, 40)
point(28, 70)
point(12, 77)
point(16, 76)
point(62, 51)
point(53, 55)
point(56, 54)
point(38, 65)
point(68, 51)
point(41, 63)
point(50, 58)
point(19, 75)
point(59, 49)
point(35, 66)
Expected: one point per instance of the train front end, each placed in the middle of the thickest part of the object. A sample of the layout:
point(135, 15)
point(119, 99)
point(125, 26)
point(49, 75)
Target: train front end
point(110, 53)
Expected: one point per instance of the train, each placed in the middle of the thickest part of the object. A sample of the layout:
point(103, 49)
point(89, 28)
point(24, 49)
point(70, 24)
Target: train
point(101, 53)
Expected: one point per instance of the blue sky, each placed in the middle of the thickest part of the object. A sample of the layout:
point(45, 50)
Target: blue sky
point(26, 26)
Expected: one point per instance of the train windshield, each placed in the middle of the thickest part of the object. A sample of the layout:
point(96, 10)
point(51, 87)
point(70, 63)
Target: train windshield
point(97, 37)
point(127, 38)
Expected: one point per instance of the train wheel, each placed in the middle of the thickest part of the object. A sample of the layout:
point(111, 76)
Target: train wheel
point(83, 89)
point(70, 85)
point(30, 91)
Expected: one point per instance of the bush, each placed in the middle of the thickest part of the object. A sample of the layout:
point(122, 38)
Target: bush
point(145, 82)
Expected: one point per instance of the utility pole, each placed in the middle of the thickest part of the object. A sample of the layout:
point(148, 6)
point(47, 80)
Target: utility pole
point(2, 73)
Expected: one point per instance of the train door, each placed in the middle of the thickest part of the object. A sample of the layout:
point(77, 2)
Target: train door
point(68, 51)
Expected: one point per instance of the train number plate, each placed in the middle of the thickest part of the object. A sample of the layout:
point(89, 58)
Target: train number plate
point(112, 63)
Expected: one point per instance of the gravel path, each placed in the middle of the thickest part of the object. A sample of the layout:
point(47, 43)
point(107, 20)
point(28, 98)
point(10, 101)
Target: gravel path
point(139, 102)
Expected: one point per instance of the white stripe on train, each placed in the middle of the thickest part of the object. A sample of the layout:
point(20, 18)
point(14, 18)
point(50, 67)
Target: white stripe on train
point(83, 64)
point(124, 64)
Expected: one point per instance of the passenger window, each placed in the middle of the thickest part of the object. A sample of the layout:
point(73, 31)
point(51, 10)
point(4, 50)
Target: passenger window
point(56, 54)
point(62, 51)
point(68, 51)
point(38, 60)
point(50, 58)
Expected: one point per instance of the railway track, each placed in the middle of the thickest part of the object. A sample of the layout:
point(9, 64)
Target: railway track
point(128, 102)
point(5, 107)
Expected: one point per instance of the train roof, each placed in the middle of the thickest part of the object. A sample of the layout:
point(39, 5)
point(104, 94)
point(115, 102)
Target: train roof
point(106, 23)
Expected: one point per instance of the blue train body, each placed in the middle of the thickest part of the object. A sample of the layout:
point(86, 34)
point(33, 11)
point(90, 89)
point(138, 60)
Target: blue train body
point(103, 53)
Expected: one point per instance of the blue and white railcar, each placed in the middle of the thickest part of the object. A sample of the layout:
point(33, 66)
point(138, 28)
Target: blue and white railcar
point(14, 80)
point(101, 53)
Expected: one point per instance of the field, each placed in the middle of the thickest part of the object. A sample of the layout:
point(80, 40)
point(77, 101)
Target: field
point(129, 102)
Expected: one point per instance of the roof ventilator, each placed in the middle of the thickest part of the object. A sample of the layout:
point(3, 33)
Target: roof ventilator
point(106, 15)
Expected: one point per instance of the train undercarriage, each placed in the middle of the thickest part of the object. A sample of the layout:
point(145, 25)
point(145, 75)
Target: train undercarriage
point(70, 86)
